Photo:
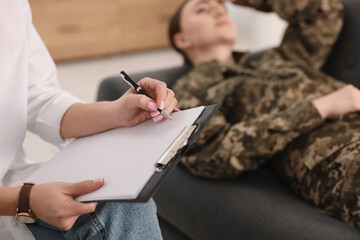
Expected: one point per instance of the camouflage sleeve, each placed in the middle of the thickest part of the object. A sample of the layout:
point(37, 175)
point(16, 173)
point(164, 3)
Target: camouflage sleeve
point(314, 26)
point(261, 5)
point(225, 150)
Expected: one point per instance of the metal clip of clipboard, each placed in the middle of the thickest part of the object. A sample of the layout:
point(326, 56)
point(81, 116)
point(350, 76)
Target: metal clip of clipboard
point(175, 147)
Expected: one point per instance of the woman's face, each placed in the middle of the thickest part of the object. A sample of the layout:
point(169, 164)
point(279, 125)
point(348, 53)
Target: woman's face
point(204, 23)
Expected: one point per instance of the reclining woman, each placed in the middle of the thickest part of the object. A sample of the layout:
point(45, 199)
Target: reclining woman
point(281, 110)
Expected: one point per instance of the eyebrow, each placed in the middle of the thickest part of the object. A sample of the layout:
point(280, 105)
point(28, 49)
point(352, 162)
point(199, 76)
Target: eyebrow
point(202, 1)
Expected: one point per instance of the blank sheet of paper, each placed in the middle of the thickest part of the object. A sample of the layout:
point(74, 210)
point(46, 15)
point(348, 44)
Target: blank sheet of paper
point(125, 157)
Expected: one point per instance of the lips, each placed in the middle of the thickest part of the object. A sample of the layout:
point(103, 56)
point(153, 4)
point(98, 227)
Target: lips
point(223, 22)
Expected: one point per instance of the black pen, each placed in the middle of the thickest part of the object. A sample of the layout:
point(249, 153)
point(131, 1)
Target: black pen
point(134, 85)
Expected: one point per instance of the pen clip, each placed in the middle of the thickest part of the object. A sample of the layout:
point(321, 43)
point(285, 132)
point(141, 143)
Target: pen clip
point(133, 84)
point(127, 79)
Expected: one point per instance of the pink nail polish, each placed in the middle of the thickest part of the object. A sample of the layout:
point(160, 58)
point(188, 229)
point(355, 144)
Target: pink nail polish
point(162, 105)
point(152, 106)
point(154, 114)
point(98, 180)
point(158, 118)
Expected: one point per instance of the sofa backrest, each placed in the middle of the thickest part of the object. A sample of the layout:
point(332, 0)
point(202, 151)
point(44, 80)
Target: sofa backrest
point(344, 60)
point(113, 87)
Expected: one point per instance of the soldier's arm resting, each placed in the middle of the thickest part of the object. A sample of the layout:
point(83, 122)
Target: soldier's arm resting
point(260, 5)
point(314, 26)
point(225, 150)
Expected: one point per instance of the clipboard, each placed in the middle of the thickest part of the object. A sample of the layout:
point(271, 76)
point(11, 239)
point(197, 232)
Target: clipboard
point(159, 176)
point(136, 180)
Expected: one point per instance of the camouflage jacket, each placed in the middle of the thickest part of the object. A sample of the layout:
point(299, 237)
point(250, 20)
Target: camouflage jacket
point(267, 104)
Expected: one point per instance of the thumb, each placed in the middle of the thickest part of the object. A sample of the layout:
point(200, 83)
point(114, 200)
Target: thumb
point(88, 186)
point(79, 208)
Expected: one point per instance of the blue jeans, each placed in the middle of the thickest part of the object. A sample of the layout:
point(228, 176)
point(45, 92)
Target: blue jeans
point(111, 220)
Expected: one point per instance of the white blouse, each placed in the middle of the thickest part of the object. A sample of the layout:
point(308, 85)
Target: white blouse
point(30, 99)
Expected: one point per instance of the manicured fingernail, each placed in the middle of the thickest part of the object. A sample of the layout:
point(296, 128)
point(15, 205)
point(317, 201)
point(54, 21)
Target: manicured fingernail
point(98, 180)
point(162, 105)
point(158, 118)
point(152, 106)
point(154, 114)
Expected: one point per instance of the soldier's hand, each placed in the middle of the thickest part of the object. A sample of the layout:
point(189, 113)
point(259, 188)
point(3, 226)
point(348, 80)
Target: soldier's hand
point(338, 103)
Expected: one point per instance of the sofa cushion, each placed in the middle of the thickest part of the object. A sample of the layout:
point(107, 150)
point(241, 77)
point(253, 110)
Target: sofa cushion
point(254, 206)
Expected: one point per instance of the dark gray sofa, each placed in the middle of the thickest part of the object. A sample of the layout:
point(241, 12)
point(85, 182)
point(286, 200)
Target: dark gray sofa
point(257, 205)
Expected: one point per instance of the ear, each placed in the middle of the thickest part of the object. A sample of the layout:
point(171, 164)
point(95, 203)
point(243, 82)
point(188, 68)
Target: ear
point(181, 41)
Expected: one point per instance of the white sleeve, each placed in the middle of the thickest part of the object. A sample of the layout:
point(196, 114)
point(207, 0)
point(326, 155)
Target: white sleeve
point(47, 103)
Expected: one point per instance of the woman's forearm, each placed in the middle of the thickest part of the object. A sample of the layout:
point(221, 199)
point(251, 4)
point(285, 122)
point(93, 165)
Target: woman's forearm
point(9, 198)
point(87, 119)
point(338, 103)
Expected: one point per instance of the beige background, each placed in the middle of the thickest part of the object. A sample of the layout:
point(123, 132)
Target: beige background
point(74, 29)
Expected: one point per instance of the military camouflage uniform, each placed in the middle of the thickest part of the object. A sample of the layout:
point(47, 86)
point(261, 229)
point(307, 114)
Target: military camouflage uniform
point(267, 113)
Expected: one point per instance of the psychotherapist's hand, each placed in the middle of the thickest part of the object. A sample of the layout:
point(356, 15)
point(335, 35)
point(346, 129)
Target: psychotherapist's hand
point(133, 108)
point(55, 203)
point(338, 103)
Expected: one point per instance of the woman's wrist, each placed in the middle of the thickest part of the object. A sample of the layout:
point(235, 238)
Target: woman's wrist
point(115, 115)
point(9, 200)
point(321, 104)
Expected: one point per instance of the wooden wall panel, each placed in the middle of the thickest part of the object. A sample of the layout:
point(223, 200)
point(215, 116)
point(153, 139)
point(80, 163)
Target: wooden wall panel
point(74, 29)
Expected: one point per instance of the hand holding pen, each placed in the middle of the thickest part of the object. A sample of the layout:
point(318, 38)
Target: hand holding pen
point(151, 89)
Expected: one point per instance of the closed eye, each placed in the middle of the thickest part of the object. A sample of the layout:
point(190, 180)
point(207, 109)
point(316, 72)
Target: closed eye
point(203, 7)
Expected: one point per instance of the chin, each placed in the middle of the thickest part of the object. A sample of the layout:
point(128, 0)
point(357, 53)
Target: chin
point(229, 37)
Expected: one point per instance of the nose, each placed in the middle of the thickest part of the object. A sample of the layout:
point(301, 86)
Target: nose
point(217, 9)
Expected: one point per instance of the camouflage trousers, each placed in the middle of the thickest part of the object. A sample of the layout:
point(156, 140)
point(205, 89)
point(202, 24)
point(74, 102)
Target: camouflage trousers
point(332, 184)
